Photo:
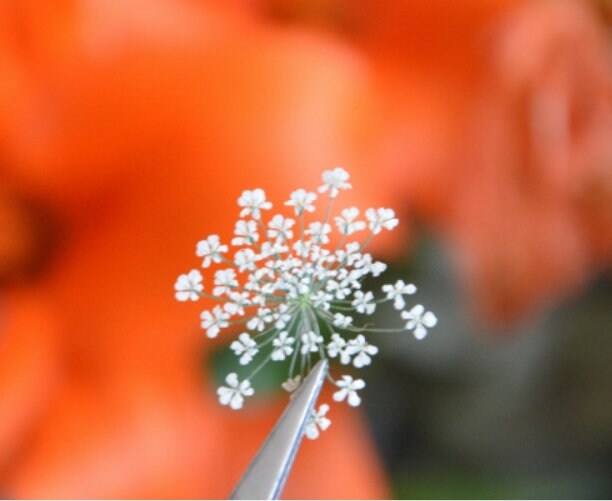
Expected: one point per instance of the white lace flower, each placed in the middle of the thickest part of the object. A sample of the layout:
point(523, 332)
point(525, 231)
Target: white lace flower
point(245, 259)
point(280, 228)
point(245, 348)
point(310, 342)
point(317, 423)
point(342, 321)
point(213, 321)
point(347, 221)
point(253, 201)
point(293, 296)
point(225, 281)
point(336, 347)
point(211, 250)
point(361, 350)
point(318, 232)
point(188, 286)
point(397, 291)
point(364, 302)
point(233, 394)
point(335, 180)
point(419, 320)
point(348, 390)
point(282, 346)
point(302, 200)
point(246, 233)
point(381, 218)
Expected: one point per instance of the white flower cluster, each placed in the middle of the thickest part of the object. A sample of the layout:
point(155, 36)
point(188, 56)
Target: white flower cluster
point(295, 299)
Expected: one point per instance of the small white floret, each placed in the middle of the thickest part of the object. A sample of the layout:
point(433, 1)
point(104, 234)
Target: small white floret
point(282, 346)
point(213, 321)
point(381, 218)
point(348, 390)
point(188, 286)
point(361, 350)
point(245, 348)
point(347, 221)
point(334, 181)
point(397, 291)
point(318, 422)
point(253, 201)
point(233, 394)
point(419, 320)
point(364, 302)
point(302, 200)
point(310, 342)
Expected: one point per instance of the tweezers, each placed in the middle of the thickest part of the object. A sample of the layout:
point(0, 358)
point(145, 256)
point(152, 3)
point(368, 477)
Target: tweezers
point(266, 475)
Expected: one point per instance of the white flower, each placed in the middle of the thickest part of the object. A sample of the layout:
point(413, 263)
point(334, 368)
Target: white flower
point(295, 296)
point(336, 347)
point(188, 286)
point(281, 317)
point(225, 280)
point(311, 342)
point(302, 201)
point(239, 301)
point(342, 321)
point(245, 348)
point(362, 350)
point(363, 303)
point(214, 321)
point(282, 346)
point(280, 228)
point(381, 218)
point(339, 291)
point(253, 201)
point(245, 259)
point(246, 233)
point(211, 250)
point(259, 321)
point(346, 221)
point(318, 422)
point(348, 390)
point(233, 394)
point(419, 320)
point(318, 232)
point(396, 292)
point(335, 180)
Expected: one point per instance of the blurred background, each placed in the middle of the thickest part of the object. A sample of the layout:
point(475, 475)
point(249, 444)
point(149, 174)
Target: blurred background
point(127, 132)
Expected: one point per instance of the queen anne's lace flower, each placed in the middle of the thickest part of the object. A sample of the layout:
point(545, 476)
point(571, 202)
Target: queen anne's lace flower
point(211, 250)
point(233, 394)
point(348, 390)
point(361, 350)
point(318, 422)
point(245, 348)
point(397, 291)
point(188, 286)
point(335, 180)
point(302, 200)
point(253, 202)
point(419, 320)
point(298, 299)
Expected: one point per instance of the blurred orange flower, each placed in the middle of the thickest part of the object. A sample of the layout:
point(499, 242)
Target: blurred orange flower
point(136, 125)
point(498, 132)
point(133, 126)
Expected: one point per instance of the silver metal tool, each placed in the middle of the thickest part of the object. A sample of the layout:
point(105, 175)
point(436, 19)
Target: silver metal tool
point(266, 475)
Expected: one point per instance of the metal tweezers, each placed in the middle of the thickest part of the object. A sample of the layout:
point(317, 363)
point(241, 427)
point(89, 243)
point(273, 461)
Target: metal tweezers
point(266, 475)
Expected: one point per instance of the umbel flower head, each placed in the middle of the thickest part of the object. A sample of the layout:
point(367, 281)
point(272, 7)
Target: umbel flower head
point(292, 297)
